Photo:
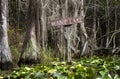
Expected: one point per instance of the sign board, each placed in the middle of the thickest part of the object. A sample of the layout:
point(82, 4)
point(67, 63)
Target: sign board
point(67, 21)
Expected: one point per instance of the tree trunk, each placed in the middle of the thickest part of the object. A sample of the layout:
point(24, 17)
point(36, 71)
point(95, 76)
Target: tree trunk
point(75, 37)
point(84, 35)
point(116, 22)
point(30, 53)
point(94, 25)
point(43, 24)
point(5, 53)
point(107, 23)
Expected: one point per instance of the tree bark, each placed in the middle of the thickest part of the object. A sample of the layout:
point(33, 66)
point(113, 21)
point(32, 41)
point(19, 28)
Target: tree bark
point(30, 52)
point(107, 23)
point(5, 53)
point(94, 24)
point(43, 24)
point(84, 35)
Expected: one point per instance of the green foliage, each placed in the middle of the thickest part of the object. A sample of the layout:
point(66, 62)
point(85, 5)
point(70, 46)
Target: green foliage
point(85, 68)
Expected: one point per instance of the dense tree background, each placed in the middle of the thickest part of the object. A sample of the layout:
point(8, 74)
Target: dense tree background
point(99, 30)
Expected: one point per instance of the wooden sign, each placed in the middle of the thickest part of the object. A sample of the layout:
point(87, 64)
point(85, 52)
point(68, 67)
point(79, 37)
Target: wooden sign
point(67, 21)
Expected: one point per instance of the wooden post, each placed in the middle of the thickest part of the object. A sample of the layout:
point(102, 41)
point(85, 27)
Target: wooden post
point(68, 34)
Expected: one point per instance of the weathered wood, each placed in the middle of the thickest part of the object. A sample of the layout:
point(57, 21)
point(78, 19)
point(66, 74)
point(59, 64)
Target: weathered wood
point(67, 21)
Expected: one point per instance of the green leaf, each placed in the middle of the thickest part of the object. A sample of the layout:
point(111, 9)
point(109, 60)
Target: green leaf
point(90, 73)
